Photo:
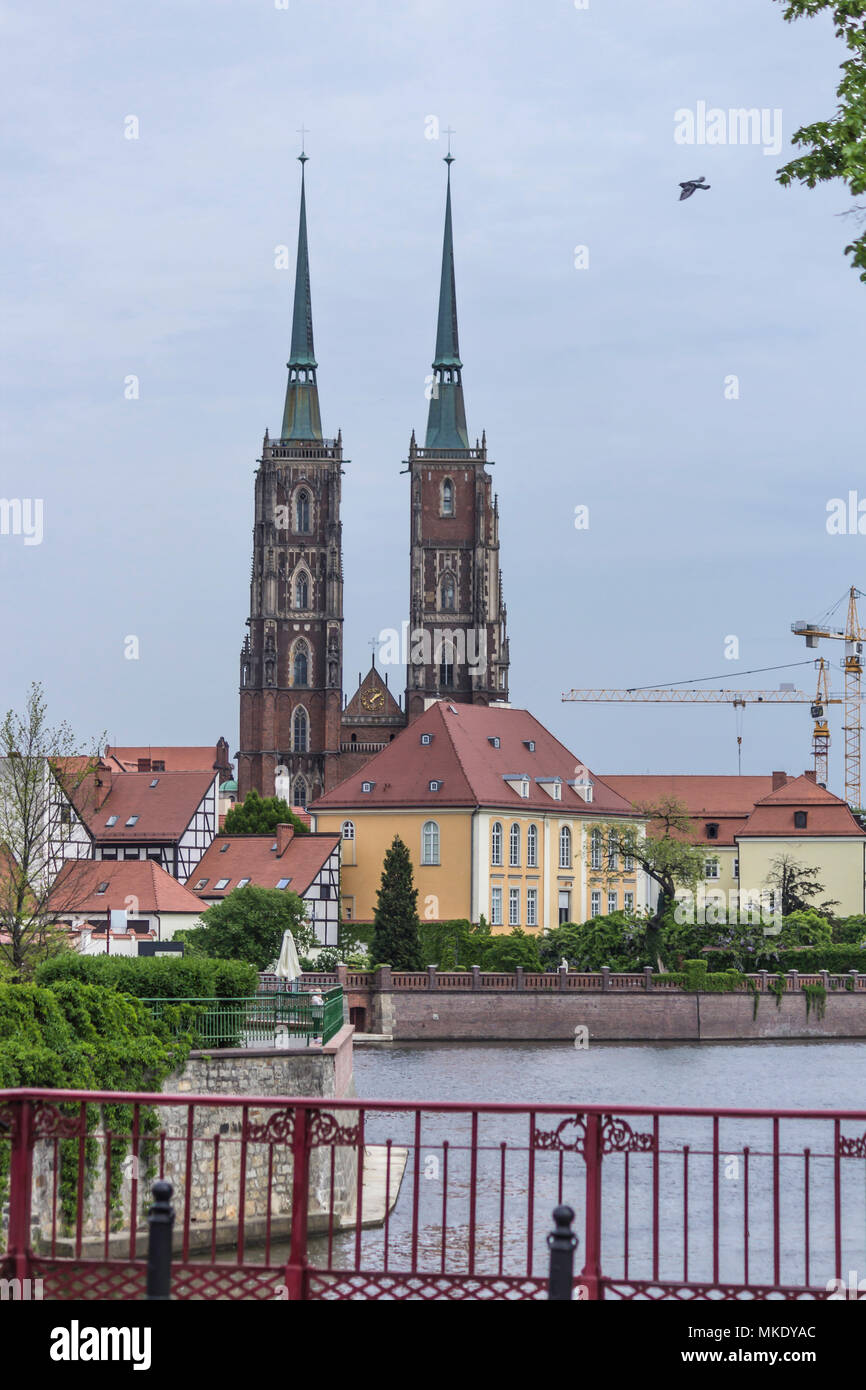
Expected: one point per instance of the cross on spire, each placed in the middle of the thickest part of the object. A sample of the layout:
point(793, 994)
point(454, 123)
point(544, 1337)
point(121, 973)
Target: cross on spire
point(303, 156)
point(449, 157)
point(373, 644)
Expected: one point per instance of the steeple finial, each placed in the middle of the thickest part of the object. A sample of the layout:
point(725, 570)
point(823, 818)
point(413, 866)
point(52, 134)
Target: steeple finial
point(301, 419)
point(446, 420)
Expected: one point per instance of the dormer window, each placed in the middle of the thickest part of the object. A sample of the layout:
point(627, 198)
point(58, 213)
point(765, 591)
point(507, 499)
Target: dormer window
point(557, 791)
point(435, 786)
point(426, 740)
point(367, 786)
point(494, 742)
point(529, 743)
point(799, 820)
point(712, 830)
point(524, 787)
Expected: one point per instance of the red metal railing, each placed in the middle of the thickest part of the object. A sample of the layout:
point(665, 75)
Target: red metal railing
point(347, 1199)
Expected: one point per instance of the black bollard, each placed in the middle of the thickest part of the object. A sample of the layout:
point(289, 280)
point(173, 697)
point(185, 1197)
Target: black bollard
point(160, 1224)
point(562, 1243)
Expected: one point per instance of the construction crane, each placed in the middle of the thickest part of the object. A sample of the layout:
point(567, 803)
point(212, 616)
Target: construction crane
point(852, 635)
point(739, 699)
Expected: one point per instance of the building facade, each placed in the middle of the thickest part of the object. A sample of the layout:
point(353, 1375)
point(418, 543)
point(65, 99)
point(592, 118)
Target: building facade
point(500, 820)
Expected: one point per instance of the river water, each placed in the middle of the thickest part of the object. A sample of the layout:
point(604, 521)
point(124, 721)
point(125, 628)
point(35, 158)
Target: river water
point(508, 1198)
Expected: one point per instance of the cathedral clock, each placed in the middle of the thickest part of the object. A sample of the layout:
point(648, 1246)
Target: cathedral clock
point(373, 700)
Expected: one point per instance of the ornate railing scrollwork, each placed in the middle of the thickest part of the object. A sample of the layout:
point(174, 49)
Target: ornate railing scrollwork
point(558, 1140)
point(618, 1137)
point(851, 1148)
point(278, 1128)
point(323, 1128)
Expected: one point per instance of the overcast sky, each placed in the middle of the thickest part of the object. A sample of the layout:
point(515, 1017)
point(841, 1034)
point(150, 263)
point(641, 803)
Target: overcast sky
point(601, 386)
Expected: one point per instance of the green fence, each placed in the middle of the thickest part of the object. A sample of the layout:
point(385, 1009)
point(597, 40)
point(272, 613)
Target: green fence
point(272, 1019)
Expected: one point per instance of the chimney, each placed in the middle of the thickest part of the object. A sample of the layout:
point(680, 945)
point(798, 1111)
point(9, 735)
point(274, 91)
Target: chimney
point(811, 774)
point(779, 780)
point(285, 835)
point(103, 783)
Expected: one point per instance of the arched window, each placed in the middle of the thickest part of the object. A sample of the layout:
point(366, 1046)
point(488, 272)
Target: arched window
point(347, 830)
point(612, 851)
point(532, 847)
point(446, 664)
point(299, 731)
point(447, 498)
point(565, 848)
point(430, 843)
point(514, 845)
point(301, 670)
point(299, 797)
point(449, 594)
point(302, 591)
point(302, 511)
point(496, 843)
point(595, 851)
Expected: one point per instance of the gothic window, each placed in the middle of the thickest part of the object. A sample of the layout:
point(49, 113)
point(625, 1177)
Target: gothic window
point(302, 591)
point(446, 664)
point(301, 664)
point(430, 843)
point(447, 498)
point(496, 843)
point(565, 848)
point(302, 511)
point(514, 845)
point(532, 847)
point(300, 731)
point(449, 594)
point(299, 797)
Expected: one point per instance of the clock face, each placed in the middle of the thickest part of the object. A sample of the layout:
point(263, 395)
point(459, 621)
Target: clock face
point(373, 700)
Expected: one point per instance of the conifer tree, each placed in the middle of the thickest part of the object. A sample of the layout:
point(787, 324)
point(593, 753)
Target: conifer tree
point(396, 940)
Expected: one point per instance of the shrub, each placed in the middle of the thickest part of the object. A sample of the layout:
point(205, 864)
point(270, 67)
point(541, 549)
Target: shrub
point(506, 952)
point(155, 977)
point(619, 941)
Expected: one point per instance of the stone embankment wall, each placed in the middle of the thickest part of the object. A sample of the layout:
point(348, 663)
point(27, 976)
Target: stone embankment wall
point(215, 1155)
point(437, 1006)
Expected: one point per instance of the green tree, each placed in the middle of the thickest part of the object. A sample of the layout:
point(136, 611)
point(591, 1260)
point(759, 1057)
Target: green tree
point(261, 816)
point(836, 149)
point(34, 759)
point(507, 951)
point(618, 941)
point(664, 852)
point(396, 929)
point(796, 886)
point(249, 924)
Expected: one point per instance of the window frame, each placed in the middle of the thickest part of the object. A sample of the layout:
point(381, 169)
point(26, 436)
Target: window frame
point(430, 845)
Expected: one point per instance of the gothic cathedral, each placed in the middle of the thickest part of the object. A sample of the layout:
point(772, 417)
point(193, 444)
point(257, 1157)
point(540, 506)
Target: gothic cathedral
point(298, 738)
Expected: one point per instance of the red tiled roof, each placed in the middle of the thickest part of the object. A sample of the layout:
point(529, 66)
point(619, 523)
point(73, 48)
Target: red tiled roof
point(702, 794)
point(163, 811)
point(253, 856)
point(826, 814)
point(472, 771)
point(74, 889)
point(175, 759)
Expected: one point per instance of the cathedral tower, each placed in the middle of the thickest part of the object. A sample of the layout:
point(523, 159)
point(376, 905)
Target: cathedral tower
point(292, 658)
point(458, 647)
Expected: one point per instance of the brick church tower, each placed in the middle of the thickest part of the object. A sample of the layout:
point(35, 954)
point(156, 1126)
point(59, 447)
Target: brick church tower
point(291, 676)
point(458, 646)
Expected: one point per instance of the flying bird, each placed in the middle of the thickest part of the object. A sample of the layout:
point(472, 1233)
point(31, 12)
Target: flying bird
point(691, 184)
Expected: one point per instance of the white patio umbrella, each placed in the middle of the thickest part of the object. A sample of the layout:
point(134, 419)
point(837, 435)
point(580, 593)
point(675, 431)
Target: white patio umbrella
point(288, 965)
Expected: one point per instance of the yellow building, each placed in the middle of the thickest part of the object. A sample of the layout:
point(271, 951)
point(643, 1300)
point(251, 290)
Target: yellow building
point(500, 819)
point(743, 824)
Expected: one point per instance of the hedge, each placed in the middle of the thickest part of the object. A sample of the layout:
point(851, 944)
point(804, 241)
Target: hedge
point(807, 959)
point(155, 977)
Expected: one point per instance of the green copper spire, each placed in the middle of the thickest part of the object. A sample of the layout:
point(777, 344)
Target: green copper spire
point(301, 419)
point(446, 420)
